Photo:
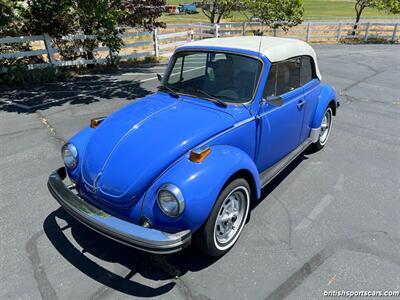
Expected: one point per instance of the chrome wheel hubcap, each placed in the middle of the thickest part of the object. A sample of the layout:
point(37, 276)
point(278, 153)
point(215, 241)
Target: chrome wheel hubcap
point(230, 219)
point(325, 127)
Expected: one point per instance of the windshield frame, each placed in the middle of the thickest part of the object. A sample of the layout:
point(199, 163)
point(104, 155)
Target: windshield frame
point(206, 50)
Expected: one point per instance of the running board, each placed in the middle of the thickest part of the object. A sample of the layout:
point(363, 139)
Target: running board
point(270, 173)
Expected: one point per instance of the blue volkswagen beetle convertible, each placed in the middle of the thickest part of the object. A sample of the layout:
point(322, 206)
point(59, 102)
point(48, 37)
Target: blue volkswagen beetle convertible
point(182, 165)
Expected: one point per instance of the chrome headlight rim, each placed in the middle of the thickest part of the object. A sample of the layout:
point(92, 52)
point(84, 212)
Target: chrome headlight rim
point(71, 149)
point(178, 197)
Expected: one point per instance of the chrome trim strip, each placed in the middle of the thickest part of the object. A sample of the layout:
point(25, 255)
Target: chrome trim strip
point(314, 134)
point(139, 237)
point(174, 190)
point(245, 121)
point(236, 125)
point(270, 173)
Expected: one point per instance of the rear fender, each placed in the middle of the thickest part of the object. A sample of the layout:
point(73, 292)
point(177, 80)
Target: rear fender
point(327, 95)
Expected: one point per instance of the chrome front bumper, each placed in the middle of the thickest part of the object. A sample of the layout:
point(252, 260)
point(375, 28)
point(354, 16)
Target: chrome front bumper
point(146, 239)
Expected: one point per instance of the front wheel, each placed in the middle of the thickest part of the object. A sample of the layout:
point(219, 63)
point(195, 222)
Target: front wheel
point(227, 219)
point(326, 126)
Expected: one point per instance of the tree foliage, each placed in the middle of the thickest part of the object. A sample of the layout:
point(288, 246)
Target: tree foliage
point(8, 17)
point(389, 6)
point(10, 25)
point(215, 10)
point(101, 19)
point(277, 13)
point(143, 13)
point(54, 17)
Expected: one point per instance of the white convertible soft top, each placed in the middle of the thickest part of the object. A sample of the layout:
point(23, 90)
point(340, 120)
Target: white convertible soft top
point(274, 48)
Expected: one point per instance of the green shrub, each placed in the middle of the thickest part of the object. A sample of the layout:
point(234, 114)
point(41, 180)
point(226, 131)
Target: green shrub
point(20, 75)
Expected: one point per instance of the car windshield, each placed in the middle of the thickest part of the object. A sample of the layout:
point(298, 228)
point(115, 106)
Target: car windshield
point(216, 76)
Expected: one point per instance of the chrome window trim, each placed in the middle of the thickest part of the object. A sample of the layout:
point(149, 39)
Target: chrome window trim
point(173, 59)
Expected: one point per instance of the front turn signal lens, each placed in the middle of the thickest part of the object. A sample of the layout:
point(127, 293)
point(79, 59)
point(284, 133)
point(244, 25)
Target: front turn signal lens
point(96, 122)
point(198, 155)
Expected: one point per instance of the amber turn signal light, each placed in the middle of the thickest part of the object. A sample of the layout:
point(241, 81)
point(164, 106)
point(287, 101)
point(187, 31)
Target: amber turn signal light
point(199, 155)
point(96, 122)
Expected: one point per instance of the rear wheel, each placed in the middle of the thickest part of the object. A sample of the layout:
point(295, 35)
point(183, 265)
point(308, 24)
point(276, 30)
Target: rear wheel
point(326, 126)
point(227, 219)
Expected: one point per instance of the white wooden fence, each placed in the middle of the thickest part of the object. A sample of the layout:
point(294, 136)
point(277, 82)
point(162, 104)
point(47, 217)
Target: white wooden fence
point(164, 41)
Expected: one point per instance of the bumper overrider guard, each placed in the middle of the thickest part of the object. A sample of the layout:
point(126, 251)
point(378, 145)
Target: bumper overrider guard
point(146, 239)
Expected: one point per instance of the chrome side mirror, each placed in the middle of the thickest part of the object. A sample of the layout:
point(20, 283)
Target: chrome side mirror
point(274, 100)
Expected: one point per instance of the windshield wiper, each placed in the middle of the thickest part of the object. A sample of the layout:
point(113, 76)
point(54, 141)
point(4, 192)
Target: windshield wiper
point(170, 91)
point(210, 97)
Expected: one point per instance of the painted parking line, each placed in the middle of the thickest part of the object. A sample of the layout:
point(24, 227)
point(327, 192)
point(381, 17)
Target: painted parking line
point(137, 74)
point(27, 107)
point(321, 206)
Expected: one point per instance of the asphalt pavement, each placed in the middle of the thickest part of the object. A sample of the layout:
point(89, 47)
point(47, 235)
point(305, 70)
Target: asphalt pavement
point(330, 221)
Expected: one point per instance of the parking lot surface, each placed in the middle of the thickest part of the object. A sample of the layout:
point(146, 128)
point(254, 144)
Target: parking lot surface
point(330, 221)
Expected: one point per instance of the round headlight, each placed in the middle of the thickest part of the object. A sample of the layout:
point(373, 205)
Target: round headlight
point(69, 155)
point(170, 200)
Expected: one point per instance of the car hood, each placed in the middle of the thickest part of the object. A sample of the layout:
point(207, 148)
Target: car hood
point(137, 143)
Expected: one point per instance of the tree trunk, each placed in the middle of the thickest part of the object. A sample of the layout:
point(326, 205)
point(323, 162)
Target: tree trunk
point(210, 15)
point(359, 11)
point(212, 18)
point(219, 17)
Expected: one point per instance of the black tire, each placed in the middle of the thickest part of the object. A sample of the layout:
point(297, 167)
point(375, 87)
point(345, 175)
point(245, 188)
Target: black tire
point(323, 141)
point(206, 238)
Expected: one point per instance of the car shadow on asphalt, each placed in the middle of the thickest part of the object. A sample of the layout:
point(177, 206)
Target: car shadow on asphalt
point(274, 183)
point(76, 91)
point(150, 266)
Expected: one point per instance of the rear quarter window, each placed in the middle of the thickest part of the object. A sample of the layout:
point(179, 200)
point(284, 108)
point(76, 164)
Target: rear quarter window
point(307, 72)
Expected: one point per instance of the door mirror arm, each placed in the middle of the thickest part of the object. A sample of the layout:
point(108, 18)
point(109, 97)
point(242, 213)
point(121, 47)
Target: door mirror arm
point(159, 77)
point(273, 100)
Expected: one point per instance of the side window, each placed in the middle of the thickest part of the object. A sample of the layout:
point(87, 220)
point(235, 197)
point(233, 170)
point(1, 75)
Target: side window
point(288, 76)
point(307, 70)
point(270, 87)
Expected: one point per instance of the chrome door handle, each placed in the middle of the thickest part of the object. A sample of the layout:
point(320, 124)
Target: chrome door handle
point(300, 104)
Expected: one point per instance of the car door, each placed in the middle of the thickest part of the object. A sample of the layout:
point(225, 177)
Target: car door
point(311, 90)
point(280, 118)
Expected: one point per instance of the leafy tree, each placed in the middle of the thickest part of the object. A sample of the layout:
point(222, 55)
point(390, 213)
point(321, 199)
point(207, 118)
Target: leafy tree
point(215, 10)
point(390, 6)
point(6, 13)
point(55, 17)
point(98, 18)
point(10, 25)
point(8, 18)
point(143, 13)
point(277, 13)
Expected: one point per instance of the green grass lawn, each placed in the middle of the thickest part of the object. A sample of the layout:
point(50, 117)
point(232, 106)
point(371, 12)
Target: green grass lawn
point(313, 9)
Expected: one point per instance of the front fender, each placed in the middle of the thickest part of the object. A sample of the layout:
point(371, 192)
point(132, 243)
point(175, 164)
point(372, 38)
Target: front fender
point(200, 184)
point(326, 95)
point(80, 141)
